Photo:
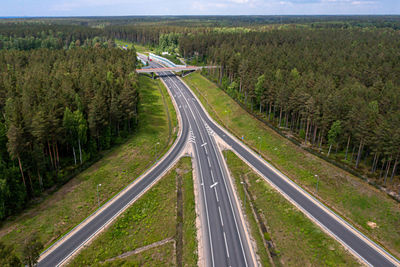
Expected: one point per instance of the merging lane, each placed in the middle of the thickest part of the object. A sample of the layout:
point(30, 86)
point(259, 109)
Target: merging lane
point(223, 231)
point(66, 247)
point(225, 238)
point(368, 251)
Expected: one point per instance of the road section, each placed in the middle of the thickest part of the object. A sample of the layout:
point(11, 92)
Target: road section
point(225, 238)
point(224, 234)
point(80, 235)
point(361, 246)
point(226, 241)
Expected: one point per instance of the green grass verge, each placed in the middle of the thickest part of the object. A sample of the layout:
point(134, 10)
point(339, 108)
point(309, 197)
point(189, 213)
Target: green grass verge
point(298, 241)
point(173, 59)
point(124, 43)
point(158, 256)
point(143, 49)
point(173, 118)
point(152, 218)
point(138, 47)
point(237, 170)
point(67, 207)
point(189, 253)
point(355, 200)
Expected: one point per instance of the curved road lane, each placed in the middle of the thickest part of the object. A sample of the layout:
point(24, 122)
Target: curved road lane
point(65, 248)
point(225, 240)
point(224, 235)
point(368, 251)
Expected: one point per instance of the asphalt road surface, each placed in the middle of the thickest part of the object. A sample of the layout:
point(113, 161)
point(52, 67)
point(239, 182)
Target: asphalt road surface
point(68, 246)
point(224, 237)
point(360, 245)
point(223, 230)
point(225, 241)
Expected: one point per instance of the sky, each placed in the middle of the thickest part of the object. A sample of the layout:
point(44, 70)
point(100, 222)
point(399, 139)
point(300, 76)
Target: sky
point(195, 7)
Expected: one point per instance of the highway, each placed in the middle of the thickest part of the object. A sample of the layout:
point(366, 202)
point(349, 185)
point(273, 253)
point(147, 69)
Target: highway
point(67, 246)
point(224, 237)
point(223, 233)
point(365, 249)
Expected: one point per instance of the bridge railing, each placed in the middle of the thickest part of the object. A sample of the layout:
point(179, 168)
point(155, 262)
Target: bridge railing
point(141, 60)
point(175, 69)
point(164, 60)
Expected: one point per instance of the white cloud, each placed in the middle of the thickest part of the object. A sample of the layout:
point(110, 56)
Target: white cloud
point(286, 3)
point(202, 6)
point(239, 1)
point(363, 2)
point(220, 7)
point(74, 4)
point(357, 2)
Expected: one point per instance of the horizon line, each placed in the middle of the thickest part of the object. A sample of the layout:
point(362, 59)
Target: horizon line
point(203, 15)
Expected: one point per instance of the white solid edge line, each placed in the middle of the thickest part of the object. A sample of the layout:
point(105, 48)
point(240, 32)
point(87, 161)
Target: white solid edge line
point(224, 178)
point(301, 208)
point(201, 174)
point(120, 193)
point(218, 154)
point(205, 199)
point(119, 212)
point(377, 247)
point(213, 144)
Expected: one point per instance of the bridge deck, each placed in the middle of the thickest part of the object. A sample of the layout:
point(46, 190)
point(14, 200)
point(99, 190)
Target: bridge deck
point(155, 70)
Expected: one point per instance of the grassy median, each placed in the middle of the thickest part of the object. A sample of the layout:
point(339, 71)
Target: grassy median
point(360, 203)
point(61, 211)
point(298, 242)
point(139, 48)
point(149, 232)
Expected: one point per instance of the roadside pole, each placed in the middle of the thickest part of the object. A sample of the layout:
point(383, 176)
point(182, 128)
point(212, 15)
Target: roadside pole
point(98, 198)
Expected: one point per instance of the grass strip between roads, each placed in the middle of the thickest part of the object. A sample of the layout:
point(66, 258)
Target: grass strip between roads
point(70, 205)
point(297, 241)
point(138, 47)
point(359, 203)
point(152, 218)
point(130, 45)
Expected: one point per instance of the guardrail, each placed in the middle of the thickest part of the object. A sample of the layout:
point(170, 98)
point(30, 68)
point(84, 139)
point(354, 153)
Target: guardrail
point(164, 60)
point(141, 60)
point(175, 69)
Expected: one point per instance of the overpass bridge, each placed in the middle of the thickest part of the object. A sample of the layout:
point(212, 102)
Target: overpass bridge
point(174, 69)
point(169, 65)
